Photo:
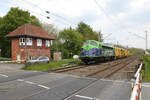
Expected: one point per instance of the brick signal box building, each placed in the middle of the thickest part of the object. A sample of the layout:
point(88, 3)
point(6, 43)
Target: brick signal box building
point(29, 42)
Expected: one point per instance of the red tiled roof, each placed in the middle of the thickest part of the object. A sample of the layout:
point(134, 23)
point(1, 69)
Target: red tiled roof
point(30, 30)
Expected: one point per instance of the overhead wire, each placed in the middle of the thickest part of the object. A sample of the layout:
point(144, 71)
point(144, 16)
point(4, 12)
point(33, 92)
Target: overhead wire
point(48, 12)
point(45, 16)
point(107, 15)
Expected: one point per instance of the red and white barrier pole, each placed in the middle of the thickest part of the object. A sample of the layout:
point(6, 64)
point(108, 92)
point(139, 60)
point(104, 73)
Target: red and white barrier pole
point(137, 85)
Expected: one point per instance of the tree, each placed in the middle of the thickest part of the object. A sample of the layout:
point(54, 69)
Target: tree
point(87, 32)
point(136, 51)
point(50, 29)
point(71, 42)
point(13, 19)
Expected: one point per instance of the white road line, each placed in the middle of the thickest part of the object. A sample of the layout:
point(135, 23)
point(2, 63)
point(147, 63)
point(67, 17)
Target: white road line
point(29, 82)
point(85, 97)
point(43, 86)
point(20, 80)
point(117, 81)
point(145, 85)
point(94, 82)
point(3, 75)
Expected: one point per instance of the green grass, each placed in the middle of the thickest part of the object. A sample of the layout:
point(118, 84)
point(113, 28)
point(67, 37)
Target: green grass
point(51, 65)
point(146, 78)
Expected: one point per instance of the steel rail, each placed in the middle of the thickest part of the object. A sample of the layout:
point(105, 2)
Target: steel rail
point(102, 70)
point(123, 66)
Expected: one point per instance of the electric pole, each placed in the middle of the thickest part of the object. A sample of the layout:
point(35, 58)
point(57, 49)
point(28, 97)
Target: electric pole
point(99, 36)
point(117, 43)
point(146, 40)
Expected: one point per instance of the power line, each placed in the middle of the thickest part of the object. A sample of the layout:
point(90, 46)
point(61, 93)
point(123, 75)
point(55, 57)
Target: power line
point(144, 38)
point(45, 16)
point(31, 11)
point(102, 9)
point(107, 15)
point(48, 12)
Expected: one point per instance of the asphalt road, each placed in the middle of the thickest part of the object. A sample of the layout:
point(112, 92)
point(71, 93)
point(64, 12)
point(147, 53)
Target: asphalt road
point(16, 84)
point(145, 91)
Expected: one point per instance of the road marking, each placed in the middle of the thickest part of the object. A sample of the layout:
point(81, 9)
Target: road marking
point(145, 85)
point(117, 81)
point(85, 97)
point(29, 82)
point(43, 86)
point(94, 82)
point(3, 75)
point(20, 80)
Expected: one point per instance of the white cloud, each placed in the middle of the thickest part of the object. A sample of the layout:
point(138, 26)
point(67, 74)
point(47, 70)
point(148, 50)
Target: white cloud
point(1, 14)
point(126, 17)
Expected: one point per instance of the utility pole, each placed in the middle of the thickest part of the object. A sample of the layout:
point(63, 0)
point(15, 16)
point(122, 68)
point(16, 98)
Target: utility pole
point(117, 43)
point(146, 40)
point(99, 36)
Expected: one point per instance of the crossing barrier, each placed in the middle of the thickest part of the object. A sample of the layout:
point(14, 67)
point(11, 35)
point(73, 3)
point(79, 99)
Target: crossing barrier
point(136, 92)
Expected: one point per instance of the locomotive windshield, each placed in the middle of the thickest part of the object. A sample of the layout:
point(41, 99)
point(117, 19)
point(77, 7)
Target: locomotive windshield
point(93, 43)
point(85, 44)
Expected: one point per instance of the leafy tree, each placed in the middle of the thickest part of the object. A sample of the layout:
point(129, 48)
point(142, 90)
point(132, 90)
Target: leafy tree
point(136, 51)
point(13, 19)
point(87, 32)
point(50, 29)
point(71, 42)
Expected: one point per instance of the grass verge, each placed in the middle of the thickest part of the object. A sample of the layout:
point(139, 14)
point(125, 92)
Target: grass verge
point(52, 65)
point(146, 77)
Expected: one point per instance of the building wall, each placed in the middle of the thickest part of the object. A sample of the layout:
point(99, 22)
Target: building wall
point(16, 50)
point(29, 51)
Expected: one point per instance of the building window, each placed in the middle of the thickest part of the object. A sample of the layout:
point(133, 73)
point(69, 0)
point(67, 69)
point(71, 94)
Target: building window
point(39, 42)
point(31, 57)
point(29, 41)
point(51, 42)
point(47, 43)
point(22, 41)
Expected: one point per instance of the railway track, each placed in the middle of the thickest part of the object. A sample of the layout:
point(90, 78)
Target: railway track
point(99, 71)
point(111, 70)
point(65, 69)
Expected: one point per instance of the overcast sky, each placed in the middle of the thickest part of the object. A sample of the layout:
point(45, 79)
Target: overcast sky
point(122, 18)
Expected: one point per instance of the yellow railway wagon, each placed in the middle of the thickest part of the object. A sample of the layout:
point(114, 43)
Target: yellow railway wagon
point(120, 52)
point(117, 52)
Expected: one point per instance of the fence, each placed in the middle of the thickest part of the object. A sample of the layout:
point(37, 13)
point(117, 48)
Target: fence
point(16, 61)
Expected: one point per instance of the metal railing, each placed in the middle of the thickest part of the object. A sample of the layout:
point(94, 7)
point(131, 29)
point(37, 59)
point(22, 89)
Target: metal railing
point(15, 61)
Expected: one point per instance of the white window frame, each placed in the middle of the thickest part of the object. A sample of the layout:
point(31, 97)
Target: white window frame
point(51, 42)
point(22, 41)
point(29, 41)
point(39, 42)
point(47, 43)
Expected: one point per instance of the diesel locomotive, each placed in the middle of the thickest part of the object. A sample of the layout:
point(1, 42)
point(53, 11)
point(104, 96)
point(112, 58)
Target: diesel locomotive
point(95, 51)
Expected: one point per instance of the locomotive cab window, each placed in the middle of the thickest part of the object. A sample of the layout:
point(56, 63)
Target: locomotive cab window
point(93, 43)
point(85, 44)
